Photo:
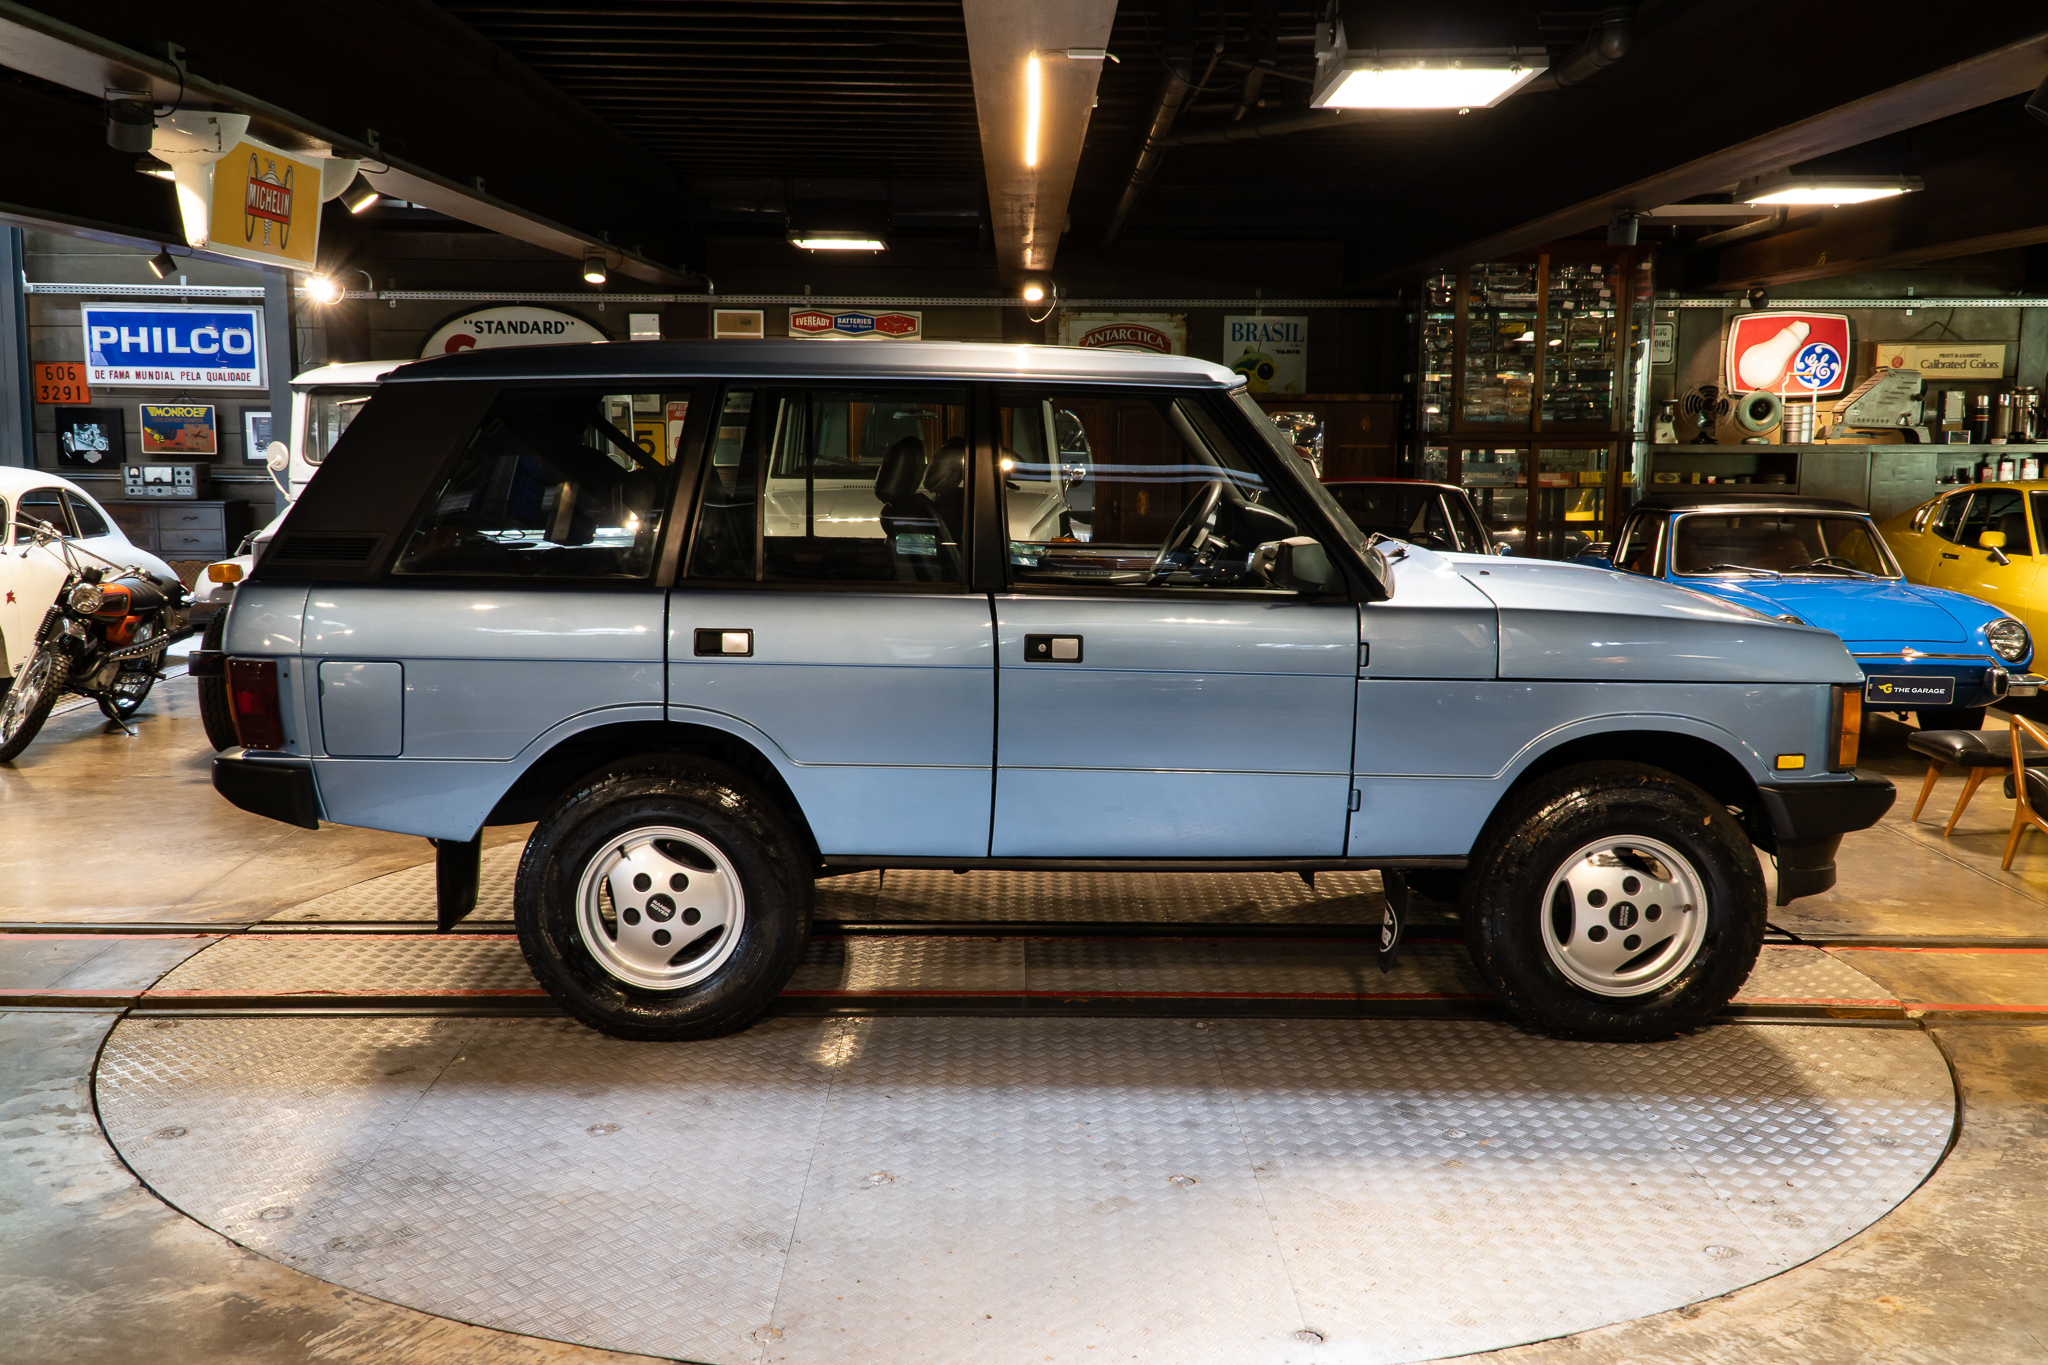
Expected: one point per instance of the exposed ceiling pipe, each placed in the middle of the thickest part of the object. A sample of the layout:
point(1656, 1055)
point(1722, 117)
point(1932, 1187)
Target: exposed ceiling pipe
point(1265, 35)
point(1173, 93)
point(1280, 126)
point(1612, 36)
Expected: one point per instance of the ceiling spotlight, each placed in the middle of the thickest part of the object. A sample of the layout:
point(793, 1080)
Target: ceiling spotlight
point(593, 269)
point(150, 164)
point(1782, 187)
point(131, 120)
point(360, 194)
point(162, 264)
point(1034, 292)
point(323, 289)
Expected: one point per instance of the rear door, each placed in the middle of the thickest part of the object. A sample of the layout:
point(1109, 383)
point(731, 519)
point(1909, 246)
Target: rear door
point(824, 611)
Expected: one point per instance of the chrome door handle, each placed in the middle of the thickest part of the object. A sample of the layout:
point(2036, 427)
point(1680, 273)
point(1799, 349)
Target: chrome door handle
point(734, 644)
point(1055, 649)
point(1946, 555)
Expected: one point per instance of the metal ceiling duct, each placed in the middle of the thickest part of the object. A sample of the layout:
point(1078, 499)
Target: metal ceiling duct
point(1035, 71)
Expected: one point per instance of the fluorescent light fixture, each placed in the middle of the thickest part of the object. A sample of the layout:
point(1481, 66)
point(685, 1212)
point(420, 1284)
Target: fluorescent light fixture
point(818, 242)
point(1786, 188)
point(1476, 78)
point(593, 269)
point(1034, 110)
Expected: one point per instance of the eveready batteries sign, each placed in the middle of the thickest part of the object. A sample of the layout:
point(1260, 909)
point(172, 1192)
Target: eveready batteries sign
point(173, 346)
point(1802, 355)
point(897, 324)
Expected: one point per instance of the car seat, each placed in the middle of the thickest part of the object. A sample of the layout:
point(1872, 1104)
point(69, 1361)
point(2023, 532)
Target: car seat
point(2013, 526)
point(910, 518)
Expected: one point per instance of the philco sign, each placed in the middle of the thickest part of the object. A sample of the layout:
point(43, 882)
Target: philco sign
point(1153, 333)
point(168, 345)
point(896, 324)
point(266, 207)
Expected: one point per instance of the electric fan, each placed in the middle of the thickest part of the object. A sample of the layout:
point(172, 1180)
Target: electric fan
point(1706, 404)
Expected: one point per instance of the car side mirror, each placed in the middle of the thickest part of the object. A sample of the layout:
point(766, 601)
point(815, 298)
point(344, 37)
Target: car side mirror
point(1298, 562)
point(1993, 541)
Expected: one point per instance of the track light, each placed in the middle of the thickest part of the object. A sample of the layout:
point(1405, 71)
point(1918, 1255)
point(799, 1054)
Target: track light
point(360, 194)
point(323, 289)
point(150, 164)
point(1033, 292)
point(593, 269)
point(1039, 294)
point(162, 264)
point(131, 120)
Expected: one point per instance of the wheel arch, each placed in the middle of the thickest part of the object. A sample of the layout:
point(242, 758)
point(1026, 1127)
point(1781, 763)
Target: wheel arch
point(1696, 758)
point(575, 755)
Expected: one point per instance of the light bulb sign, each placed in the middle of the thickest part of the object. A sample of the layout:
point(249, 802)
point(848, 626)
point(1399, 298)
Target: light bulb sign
point(1797, 355)
point(175, 346)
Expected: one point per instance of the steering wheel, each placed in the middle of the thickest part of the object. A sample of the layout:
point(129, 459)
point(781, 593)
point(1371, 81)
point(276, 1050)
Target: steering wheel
point(1188, 527)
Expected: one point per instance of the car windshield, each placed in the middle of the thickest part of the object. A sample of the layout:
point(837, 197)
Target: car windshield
point(1412, 513)
point(1315, 489)
point(1777, 543)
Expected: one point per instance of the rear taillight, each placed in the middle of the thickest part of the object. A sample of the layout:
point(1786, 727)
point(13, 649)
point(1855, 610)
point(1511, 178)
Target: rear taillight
point(259, 718)
point(1848, 727)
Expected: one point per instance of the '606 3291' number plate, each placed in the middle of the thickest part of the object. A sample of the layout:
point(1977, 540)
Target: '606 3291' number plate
point(1905, 693)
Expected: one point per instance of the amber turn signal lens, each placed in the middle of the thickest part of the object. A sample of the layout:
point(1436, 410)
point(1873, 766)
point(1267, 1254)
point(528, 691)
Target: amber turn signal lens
point(1848, 728)
point(224, 573)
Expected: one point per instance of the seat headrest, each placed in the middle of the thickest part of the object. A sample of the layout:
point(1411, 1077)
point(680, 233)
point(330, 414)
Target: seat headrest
point(949, 467)
point(2014, 527)
point(902, 471)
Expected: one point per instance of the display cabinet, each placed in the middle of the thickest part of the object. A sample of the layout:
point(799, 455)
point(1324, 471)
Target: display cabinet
point(1524, 391)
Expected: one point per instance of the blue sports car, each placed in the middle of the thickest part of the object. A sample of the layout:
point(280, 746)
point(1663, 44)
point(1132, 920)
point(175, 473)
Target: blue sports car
point(1822, 563)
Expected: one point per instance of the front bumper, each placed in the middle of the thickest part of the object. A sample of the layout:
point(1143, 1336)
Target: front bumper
point(274, 786)
point(1978, 682)
point(1809, 820)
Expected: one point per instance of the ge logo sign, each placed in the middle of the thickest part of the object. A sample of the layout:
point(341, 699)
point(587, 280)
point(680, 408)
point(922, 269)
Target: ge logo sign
point(1818, 366)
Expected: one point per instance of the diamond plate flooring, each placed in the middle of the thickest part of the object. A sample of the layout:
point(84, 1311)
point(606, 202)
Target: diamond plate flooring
point(312, 967)
point(908, 1190)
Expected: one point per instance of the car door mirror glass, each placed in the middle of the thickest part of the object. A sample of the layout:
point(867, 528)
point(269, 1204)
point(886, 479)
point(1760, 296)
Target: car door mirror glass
point(1992, 540)
point(1298, 562)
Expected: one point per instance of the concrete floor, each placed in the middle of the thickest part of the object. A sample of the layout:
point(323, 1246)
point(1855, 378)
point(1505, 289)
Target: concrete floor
point(93, 1267)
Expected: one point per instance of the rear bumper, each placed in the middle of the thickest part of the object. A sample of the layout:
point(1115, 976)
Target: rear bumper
point(274, 786)
point(1809, 820)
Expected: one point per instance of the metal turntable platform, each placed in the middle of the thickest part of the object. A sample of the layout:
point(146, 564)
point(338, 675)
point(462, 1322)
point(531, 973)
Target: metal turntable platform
point(909, 1189)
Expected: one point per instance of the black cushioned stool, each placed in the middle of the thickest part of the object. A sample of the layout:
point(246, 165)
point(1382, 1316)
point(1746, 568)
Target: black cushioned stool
point(1984, 753)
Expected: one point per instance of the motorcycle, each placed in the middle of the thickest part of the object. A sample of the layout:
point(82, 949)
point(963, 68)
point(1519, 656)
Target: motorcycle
point(104, 637)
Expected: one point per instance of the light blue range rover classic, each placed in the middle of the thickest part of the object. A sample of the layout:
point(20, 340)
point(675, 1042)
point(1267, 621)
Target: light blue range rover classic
point(727, 618)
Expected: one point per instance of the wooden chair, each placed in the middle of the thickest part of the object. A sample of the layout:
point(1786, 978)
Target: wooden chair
point(2024, 793)
point(1980, 753)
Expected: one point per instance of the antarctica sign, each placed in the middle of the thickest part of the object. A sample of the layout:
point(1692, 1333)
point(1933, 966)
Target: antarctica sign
point(158, 345)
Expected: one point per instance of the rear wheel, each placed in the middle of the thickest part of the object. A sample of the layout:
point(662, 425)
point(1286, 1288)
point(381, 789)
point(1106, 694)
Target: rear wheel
point(137, 675)
point(1951, 718)
point(663, 899)
point(214, 709)
point(1615, 901)
point(27, 703)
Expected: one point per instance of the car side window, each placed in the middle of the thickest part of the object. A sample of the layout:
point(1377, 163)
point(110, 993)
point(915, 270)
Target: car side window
point(86, 517)
point(1998, 509)
point(1152, 492)
point(1948, 522)
point(836, 485)
point(1923, 514)
point(46, 505)
point(1469, 535)
point(554, 483)
point(1637, 550)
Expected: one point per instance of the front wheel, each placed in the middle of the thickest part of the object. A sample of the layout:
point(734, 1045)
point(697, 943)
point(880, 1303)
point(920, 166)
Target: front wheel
point(27, 703)
point(1615, 901)
point(663, 899)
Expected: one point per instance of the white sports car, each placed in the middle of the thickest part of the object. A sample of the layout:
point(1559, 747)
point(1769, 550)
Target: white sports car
point(31, 574)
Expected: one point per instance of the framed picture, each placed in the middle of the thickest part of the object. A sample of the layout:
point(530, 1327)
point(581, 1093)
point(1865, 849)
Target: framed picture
point(178, 429)
point(255, 434)
point(91, 438)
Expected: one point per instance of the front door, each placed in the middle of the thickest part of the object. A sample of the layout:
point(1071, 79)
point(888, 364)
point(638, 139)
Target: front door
point(1158, 695)
point(1962, 565)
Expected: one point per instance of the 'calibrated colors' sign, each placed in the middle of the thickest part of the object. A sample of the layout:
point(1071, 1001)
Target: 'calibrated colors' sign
point(517, 325)
point(1803, 355)
point(895, 324)
point(1152, 333)
point(1944, 362)
point(148, 345)
point(1270, 352)
point(178, 429)
point(266, 207)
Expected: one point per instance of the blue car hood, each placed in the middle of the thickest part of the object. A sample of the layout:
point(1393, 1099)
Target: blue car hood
point(1858, 610)
point(1571, 621)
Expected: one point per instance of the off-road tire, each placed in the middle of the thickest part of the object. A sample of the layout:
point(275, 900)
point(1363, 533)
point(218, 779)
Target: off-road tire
point(38, 707)
point(1535, 838)
point(712, 803)
point(215, 709)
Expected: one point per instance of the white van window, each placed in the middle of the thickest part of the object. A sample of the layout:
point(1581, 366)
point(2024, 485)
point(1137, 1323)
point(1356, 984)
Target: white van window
point(328, 413)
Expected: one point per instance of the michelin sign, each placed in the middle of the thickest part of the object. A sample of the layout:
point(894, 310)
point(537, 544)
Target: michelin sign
point(174, 346)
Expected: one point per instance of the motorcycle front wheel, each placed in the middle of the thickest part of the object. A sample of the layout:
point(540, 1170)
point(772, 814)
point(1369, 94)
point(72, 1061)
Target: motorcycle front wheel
point(27, 703)
point(136, 677)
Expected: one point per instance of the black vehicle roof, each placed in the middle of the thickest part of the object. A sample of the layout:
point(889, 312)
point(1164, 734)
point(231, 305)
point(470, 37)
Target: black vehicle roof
point(1745, 501)
point(811, 360)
